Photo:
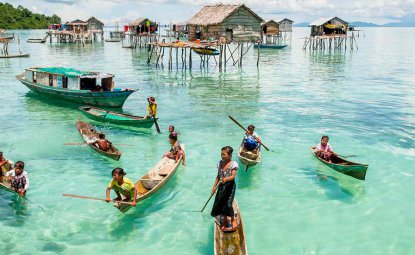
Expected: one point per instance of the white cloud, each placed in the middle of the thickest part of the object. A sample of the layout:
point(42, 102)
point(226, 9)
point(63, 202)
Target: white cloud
point(181, 10)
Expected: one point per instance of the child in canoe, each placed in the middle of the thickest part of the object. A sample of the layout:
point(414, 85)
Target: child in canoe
point(123, 187)
point(225, 178)
point(19, 178)
point(151, 108)
point(5, 165)
point(176, 151)
point(324, 149)
point(251, 139)
point(102, 143)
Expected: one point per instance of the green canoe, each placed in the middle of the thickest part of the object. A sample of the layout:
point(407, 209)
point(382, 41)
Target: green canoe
point(116, 117)
point(344, 166)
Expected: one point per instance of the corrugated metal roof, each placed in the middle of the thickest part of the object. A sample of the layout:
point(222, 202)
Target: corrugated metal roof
point(322, 21)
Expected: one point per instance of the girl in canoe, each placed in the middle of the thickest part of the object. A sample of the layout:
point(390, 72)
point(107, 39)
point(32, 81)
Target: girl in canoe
point(226, 190)
point(175, 151)
point(123, 187)
point(324, 149)
point(19, 178)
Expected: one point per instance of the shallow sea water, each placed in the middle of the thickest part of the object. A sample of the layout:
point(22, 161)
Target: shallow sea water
point(291, 204)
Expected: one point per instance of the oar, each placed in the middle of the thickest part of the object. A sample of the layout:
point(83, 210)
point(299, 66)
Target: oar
point(154, 117)
point(237, 123)
point(207, 200)
point(95, 198)
point(347, 156)
point(246, 169)
point(84, 143)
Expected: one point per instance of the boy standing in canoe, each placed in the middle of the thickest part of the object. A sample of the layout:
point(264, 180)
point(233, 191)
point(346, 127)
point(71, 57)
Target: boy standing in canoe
point(324, 149)
point(123, 187)
point(151, 108)
point(19, 178)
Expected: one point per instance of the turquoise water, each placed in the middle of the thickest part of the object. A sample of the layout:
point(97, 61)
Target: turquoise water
point(290, 203)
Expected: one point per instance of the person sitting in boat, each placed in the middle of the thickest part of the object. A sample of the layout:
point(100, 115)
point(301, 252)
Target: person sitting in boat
point(176, 151)
point(5, 165)
point(251, 139)
point(226, 190)
point(151, 108)
point(324, 149)
point(123, 187)
point(102, 143)
point(171, 129)
point(19, 178)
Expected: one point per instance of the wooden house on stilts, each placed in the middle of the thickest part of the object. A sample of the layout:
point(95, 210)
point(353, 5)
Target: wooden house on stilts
point(329, 33)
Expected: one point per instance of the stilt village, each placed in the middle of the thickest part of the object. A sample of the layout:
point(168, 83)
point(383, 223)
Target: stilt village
point(217, 37)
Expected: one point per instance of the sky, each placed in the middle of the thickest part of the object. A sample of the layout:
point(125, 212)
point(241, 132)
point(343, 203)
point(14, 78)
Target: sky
point(166, 11)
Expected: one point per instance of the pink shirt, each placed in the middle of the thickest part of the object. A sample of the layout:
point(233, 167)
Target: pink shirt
point(320, 147)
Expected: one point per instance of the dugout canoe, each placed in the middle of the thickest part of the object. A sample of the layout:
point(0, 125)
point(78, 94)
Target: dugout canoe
point(249, 158)
point(89, 133)
point(206, 51)
point(15, 56)
point(230, 243)
point(116, 117)
point(270, 46)
point(154, 179)
point(344, 166)
point(5, 167)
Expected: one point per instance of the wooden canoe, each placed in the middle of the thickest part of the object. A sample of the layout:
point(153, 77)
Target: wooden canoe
point(154, 179)
point(230, 243)
point(6, 166)
point(15, 56)
point(89, 133)
point(206, 51)
point(116, 117)
point(35, 40)
point(270, 46)
point(249, 158)
point(344, 166)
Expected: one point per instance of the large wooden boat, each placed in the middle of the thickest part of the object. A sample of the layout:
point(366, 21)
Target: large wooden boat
point(206, 51)
point(91, 88)
point(230, 243)
point(343, 166)
point(154, 179)
point(270, 46)
point(249, 158)
point(116, 117)
point(89, 133)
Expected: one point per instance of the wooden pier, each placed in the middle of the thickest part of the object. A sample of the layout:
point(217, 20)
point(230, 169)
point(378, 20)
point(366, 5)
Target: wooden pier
point(180, 54)
point(329, 42)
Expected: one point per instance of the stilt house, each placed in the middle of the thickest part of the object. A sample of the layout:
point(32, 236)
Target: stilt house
point(328, 26)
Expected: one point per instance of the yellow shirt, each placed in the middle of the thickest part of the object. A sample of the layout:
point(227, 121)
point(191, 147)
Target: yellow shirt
point(153, 108)
point(114, 183)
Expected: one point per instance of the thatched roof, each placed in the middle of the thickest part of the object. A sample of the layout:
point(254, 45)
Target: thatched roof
point(270, 23)
point(95, 19)
point(285, 19)
point(216, 14)
point(77, 22)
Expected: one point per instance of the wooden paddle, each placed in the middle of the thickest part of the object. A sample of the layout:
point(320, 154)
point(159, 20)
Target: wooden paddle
point(154, 117)
point(94, 198)
point(84, 143)
point(237, 123)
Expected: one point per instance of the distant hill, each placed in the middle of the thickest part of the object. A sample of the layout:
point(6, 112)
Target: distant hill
point(22, 18)
point(301, 24)
point(364, 24)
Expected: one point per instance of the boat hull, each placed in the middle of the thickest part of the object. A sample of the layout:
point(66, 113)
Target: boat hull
point(107, 99)
point(86, 129)
point(116, 118)
point(269, 46)
point(167, 165)
point(230, 243)
point(344, 166)
point(206, 51)
point(15, 56)
point(248, 159)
